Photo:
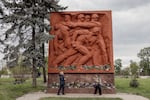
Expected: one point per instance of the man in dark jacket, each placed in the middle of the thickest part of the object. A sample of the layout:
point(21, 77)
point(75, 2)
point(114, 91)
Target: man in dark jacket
point(62, 83)
point(97, 86)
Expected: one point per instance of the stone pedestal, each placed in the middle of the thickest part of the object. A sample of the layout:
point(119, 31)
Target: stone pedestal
point(81, 83)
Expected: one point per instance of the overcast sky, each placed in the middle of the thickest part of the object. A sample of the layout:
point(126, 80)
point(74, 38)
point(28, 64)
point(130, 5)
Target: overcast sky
point(131, 24)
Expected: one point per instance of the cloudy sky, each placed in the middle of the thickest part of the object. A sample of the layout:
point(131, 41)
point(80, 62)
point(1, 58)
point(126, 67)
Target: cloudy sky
point(131, 23)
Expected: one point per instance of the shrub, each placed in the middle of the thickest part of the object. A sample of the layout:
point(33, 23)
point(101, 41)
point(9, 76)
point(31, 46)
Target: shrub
point(3, 71)
point(134, 83)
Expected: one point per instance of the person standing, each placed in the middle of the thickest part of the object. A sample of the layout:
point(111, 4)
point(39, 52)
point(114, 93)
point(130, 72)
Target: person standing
point(97, 86)
point(62, 83)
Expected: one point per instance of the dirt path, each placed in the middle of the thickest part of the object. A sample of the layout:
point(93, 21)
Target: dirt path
point(38, 95)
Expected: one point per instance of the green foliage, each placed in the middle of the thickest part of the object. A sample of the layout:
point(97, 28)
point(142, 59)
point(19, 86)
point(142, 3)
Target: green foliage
point(122, 85)
point(144, 56)
point(144, 53)
point(144, 66)
point(125, 72)
point(18, 70)
point(134, 68)
point(118, 66)
point(9, 91)
point(20, 74)
point(28, 29)
point(134, 83)
point(3, 71)
point(63, 98)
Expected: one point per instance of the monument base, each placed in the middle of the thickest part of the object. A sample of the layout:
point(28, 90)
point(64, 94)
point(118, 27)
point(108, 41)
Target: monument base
point(82, 83)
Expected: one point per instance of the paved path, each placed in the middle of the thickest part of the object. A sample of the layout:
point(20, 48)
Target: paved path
point(38, 95)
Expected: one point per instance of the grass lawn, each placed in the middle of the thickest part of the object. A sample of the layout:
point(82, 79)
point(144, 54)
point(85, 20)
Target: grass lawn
point(62, 98)
point(122, 85)
point(9, 91)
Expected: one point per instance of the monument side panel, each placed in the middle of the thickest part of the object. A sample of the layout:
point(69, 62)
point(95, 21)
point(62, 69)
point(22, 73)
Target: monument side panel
point(83, 49)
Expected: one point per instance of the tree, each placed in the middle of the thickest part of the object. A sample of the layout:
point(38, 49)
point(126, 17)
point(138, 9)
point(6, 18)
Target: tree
point(134, 71)
point(20, 72)
point(28, 31)
point(3, 71)
point(118, 66)
point(125, 72)
point(1, 11)
point(144, 56)
point(134, 68)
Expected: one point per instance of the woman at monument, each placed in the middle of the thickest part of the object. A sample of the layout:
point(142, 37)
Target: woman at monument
point(97, 85)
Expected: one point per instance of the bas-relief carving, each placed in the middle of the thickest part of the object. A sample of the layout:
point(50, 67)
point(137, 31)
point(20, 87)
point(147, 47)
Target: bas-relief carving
point(81, 39)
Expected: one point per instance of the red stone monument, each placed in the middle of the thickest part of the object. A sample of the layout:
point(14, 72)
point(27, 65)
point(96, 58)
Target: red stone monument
point(82, 49)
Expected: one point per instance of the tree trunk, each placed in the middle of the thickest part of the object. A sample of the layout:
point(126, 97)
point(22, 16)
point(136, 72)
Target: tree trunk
point(43, 53)
point(34, 71)
point(44, 70)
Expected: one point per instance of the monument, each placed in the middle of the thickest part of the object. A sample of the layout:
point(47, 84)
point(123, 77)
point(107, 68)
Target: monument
point(82, 49)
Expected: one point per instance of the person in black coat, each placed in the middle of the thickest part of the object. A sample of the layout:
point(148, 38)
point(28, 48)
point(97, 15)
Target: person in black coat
point(97, 86)
point(62, 83)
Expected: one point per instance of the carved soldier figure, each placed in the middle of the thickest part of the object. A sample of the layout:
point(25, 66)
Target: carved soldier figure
point(78, 41)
